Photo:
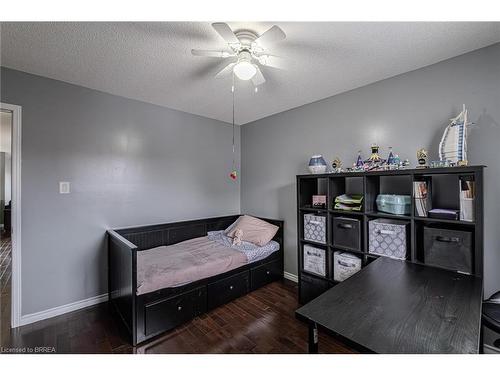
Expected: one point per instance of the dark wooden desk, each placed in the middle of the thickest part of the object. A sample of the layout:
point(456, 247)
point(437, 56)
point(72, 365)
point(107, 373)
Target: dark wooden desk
point(393, 306)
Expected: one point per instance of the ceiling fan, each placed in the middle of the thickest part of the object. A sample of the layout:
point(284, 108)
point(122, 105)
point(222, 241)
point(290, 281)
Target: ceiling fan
point(246, 52)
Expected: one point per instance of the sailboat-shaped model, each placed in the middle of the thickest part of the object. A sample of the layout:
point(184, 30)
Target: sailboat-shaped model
point(453, 145)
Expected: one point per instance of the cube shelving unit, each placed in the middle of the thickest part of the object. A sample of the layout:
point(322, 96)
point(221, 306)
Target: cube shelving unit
point(443, 184)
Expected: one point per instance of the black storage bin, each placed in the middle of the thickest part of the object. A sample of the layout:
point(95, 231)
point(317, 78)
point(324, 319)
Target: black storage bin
point(448, 248)
point(311, 287)
point(346, 233)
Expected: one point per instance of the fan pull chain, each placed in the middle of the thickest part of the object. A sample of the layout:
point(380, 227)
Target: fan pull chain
point(234, 173)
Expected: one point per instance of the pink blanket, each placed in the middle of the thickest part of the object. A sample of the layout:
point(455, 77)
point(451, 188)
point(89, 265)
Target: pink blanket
point(183, 263)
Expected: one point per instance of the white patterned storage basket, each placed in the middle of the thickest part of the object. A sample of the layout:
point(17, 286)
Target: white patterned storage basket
point(315, 228)
point(314, 260)
point(388, 238)
point(345, 265)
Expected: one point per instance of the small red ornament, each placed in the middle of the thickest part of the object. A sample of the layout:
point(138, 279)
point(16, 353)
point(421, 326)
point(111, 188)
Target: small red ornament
point(233, 175)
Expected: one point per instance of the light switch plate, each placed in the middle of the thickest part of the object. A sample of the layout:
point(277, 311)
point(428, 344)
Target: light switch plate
point(64, 187)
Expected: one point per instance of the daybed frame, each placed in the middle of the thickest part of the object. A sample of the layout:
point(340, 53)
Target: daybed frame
point(151, 314)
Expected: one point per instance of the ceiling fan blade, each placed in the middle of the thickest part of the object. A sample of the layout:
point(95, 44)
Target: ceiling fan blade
point(273, 35)
point(225, 32)
point(211, 53)
point(258, 78)
point(272, 61)
point(228, 69)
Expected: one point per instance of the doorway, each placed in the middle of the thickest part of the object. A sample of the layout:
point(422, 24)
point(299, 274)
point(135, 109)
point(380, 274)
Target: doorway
point(10, 177)
point(5, 218)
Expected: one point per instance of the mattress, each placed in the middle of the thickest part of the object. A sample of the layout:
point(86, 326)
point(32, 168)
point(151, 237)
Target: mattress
point(193, 260)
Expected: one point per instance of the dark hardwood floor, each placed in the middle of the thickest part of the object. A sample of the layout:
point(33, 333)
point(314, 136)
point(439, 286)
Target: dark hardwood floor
point(5, 276)
point(259, 322)
point(5, 260)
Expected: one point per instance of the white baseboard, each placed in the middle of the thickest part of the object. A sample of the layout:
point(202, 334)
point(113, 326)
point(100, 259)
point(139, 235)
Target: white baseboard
point(291, 277)
point(73, 306)
point(55, 311)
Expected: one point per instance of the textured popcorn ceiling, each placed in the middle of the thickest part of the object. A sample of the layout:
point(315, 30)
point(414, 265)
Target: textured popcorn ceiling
point(152, 62)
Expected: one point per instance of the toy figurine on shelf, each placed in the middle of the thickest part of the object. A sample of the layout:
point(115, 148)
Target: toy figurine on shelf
point(405, 164)
point(422, 158)
point(390, 157)
point(359, 161)
point(337, 165)
point(359, 165)
point(453, 145)
point(440, 163)
point(392, 162)
point(397, 160)
point(374, 161)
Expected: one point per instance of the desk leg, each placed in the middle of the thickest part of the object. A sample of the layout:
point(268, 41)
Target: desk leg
point(313, 338)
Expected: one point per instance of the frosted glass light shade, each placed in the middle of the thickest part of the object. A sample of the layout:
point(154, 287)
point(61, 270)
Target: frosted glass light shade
point(244, 70)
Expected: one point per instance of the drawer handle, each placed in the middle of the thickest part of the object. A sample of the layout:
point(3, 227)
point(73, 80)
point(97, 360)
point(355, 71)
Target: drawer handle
point(231, 287)
point(345, 226)
point(179, 308)
point(313, 222)
point(447, 239)
point(386, 232)
point(268, 272)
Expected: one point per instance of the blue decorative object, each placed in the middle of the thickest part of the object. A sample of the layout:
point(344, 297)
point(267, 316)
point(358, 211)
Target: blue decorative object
point(397, 160)
point(390, 158)
point(317, 164)
point(359, 161)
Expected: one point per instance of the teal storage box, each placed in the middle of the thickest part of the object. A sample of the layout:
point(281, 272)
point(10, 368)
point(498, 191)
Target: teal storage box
point(394, 204)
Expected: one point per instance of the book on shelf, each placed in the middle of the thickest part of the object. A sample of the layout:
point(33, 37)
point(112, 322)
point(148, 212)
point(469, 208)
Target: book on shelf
point(467, 189)
point(467, 199)
point(421, 197)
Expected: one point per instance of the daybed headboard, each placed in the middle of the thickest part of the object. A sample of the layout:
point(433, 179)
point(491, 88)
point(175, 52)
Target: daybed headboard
point(149, 236)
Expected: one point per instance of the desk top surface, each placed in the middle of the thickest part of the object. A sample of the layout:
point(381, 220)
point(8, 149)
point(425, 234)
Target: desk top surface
point(393, 306)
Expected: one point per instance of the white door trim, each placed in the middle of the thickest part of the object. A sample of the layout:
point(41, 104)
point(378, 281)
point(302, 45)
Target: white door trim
point(16, 212)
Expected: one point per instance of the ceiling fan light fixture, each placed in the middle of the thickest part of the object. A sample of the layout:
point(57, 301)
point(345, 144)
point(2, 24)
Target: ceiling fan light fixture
point(245, 70)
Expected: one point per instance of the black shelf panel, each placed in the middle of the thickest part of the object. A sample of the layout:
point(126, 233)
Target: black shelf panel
point(344, 212)
point(312, 243)
point(388, 216)
point(409, 171)
point(316, 275)
point(385, 256)
point(445, 221)
point(340, 248)
point(310, 209)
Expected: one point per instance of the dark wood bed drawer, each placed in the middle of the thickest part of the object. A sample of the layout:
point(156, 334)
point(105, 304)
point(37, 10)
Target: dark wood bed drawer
point(227, 289)
point(166, 314)
point(264, 274)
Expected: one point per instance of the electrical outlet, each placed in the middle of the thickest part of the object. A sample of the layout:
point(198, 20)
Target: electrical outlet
point(64, 187)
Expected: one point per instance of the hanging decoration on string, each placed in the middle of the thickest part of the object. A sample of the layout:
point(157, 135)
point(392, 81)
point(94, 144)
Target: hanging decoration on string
point(234, 173)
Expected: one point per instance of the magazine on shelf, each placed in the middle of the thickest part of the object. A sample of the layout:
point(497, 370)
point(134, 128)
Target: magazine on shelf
point(349, 202)
point(421, 197)
point(467, 199)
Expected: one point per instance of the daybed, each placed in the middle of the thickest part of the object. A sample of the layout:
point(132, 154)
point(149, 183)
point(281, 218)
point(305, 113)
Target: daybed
point(155, 287)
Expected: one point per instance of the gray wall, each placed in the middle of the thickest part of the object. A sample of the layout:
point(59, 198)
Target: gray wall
point(135, 163)
point(406, 112)
point(129, 163)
